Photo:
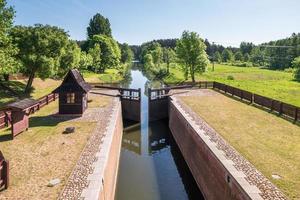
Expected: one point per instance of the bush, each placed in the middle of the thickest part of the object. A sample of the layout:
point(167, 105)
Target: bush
point(230, 77)
point(296, 66)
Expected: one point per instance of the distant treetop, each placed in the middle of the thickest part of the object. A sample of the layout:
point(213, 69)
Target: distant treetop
point(98, 25)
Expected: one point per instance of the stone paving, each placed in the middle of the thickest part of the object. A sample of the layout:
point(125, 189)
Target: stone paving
point(253, 176)
point(78, 179)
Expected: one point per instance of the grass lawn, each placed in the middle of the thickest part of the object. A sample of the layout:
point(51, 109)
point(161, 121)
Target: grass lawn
point(40, 89)
point(109, 76)
point(44, 87)
point(43, 153)
point(270, 143)
point(274, 84)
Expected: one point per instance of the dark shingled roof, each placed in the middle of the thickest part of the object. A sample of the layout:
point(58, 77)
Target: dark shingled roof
point(23, 104)
point(77, 83)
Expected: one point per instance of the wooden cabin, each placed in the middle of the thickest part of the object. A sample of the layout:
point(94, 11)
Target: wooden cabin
point(73, 94)
point(20, 111)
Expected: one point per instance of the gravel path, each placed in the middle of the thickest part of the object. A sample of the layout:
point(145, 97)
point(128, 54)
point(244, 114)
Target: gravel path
point(253, 176)
point(78, 178)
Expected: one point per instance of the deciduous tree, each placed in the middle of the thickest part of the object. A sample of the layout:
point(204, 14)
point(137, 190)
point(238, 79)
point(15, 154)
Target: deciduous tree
point(40, 50)
point(190, 50)
point(296, 66)
point(8, 63)
point(110, 51)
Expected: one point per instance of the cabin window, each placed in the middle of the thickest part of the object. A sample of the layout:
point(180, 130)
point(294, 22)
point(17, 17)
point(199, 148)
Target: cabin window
point(70, 98)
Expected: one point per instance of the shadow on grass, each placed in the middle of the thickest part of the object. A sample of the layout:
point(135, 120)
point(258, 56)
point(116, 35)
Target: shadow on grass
point(49, 121)
point(5, 138)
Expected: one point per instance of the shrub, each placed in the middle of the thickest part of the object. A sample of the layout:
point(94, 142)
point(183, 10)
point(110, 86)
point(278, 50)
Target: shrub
point(230, 77)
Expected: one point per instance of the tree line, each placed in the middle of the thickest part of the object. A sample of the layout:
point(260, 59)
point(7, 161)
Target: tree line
point(47, 51)
point(275, 55)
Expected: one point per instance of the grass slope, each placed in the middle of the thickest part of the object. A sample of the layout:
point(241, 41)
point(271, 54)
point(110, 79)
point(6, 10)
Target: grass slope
point(270, 143)
point(274, 84)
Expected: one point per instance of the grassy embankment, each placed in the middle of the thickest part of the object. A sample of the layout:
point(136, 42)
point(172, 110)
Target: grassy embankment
point(44, 87)
point(274, 84)
point(270, 143)
point(43, 153)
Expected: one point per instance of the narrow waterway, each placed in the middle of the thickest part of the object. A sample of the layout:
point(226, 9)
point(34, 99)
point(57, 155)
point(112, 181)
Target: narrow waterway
point(151, 165)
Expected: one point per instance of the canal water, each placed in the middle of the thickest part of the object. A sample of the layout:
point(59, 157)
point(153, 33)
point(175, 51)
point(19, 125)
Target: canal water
point(151, 165)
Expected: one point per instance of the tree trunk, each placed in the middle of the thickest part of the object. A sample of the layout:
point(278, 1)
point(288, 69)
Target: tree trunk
point(6, 77)
point(29, 83)
point(168, 67)
point(192, 74)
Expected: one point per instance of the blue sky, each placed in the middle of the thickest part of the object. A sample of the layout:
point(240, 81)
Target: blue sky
point(227, 22)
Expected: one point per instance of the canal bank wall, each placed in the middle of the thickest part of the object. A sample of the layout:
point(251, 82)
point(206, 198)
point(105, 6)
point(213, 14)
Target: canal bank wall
point(215, 175)
point(102, 182)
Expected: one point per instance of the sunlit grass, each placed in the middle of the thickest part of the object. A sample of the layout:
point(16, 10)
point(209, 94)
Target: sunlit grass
point(274, 84)
point(270, 143)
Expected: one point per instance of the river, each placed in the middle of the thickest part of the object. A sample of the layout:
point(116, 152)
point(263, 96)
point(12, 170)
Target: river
point(151, 165)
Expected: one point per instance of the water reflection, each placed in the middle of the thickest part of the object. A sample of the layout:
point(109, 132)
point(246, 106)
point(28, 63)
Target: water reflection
point(151, 166)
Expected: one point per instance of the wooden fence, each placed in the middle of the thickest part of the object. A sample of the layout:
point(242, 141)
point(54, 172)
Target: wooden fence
point(5, 115)
point(4, 172)
point(281, 108)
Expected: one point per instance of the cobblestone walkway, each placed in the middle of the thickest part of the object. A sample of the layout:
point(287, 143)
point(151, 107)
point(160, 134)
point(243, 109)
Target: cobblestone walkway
point(78, 178)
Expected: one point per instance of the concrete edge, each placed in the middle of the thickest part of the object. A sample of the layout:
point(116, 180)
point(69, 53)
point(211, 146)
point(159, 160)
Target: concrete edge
point(96, 179)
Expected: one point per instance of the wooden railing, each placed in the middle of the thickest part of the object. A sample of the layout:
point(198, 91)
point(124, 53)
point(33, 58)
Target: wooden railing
point(4, 172)
point(125, 93)
point(5, 115)
point(279, 107)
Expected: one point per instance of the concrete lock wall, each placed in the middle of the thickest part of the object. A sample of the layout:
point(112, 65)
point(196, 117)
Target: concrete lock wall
point(209, 168)
point(131, 109)
point(112, 165)
point(158, 109)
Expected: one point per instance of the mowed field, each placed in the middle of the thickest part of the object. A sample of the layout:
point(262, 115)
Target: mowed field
point(278, 85)
point(269, 142)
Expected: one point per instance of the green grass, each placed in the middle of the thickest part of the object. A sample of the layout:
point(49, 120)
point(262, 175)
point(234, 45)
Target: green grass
point(270, 143)
point(109, 76)
point(41, 88)
point(274, 84)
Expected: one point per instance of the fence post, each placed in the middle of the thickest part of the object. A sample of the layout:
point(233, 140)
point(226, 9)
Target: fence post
point(280, 110)
point(205, 84)
point(6, 173)
point(296, 114)
point(47, 99)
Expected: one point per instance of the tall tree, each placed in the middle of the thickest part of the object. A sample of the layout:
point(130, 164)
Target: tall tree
point(70, 58)
point(95, 54)
point(110, 51)
point(157, 55)
point(217, 57)
point(238, 56)
point(190, 50)
point(40, 50)
point(99, 25)
point(246, 47)
point(227, 55)
point(296, 66)
point(126, 53)
point(8, 64)
point(168, 57)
